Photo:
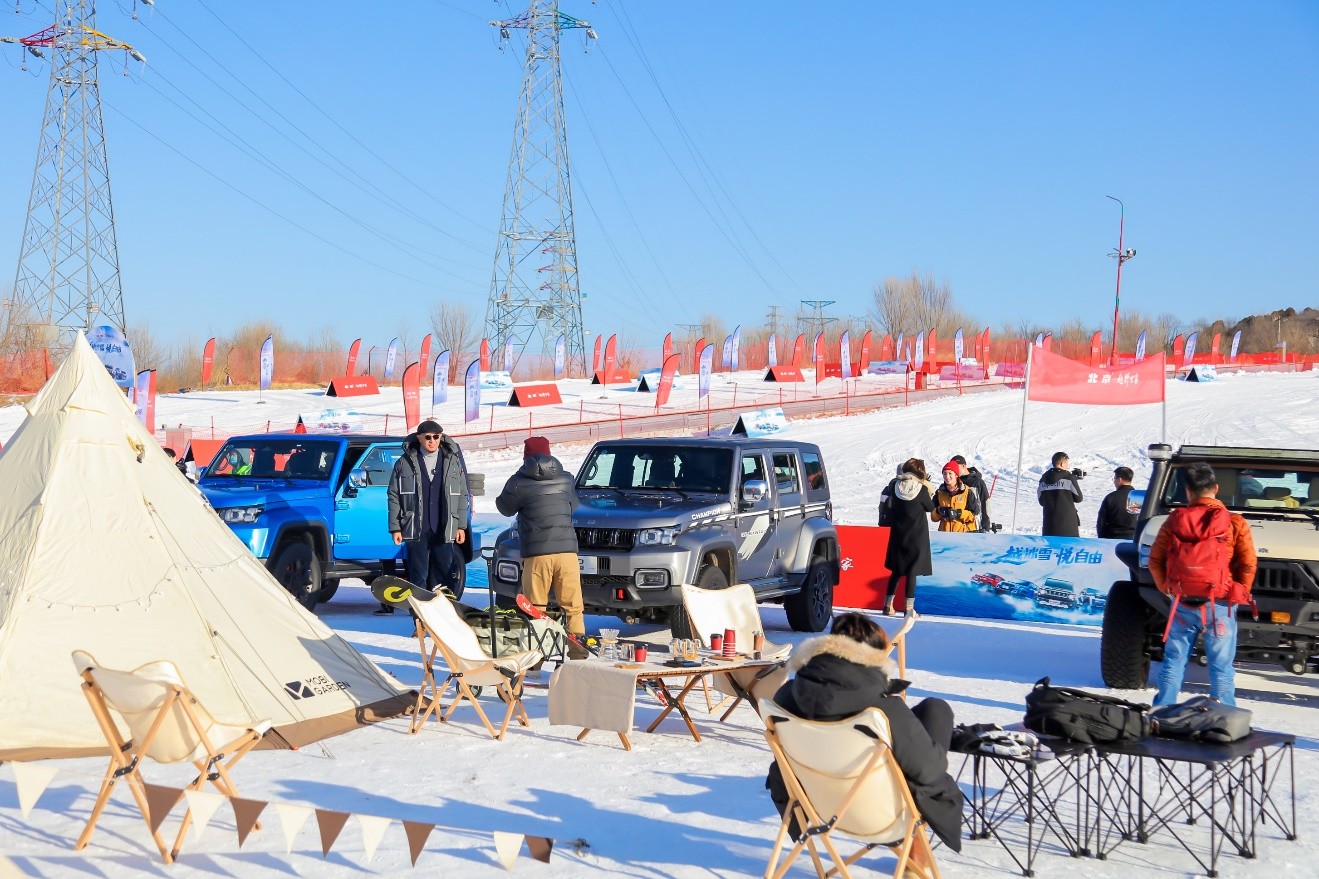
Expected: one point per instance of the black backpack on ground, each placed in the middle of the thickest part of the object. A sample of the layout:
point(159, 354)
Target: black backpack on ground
point(1089, 718)
point(1201, 719)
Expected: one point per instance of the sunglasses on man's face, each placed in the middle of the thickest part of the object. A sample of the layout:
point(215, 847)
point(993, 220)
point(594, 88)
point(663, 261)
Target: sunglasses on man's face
point(431, 436)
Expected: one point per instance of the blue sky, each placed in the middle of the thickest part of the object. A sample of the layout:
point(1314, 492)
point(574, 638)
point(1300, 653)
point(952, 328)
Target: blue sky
point(835, 144)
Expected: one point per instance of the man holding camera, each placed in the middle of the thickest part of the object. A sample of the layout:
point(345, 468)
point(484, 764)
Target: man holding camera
point(1114, 521)
point(1059, 491)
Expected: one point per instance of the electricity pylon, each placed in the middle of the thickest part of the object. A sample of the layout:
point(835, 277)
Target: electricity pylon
point(534, 288)
point(68, 262)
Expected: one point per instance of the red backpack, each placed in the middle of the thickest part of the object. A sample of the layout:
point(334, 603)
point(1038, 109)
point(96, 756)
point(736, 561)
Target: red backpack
point(1199, 562)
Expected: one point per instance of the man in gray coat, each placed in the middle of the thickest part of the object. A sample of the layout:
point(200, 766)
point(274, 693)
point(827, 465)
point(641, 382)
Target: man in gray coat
point(429, 506)
point(543, 498)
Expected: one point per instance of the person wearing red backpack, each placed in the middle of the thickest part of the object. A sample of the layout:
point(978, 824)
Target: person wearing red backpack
point(1204, 560)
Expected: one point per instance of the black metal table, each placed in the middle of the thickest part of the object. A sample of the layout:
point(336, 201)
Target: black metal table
point(1170, 785)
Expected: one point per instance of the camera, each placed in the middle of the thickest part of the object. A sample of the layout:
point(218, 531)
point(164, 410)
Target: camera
point(995, 527)
point(1078, 473)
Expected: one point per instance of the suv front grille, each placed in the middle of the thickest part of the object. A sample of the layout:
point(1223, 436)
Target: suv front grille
point(1287, 581)
point(606, 538)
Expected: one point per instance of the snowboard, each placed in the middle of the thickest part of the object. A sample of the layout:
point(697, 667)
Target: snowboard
point(394, 591)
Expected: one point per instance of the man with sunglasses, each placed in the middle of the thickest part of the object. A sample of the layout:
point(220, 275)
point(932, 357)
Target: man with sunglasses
point(429, 505)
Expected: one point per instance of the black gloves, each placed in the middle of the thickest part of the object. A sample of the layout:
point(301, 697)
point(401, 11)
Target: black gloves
point(952, 514)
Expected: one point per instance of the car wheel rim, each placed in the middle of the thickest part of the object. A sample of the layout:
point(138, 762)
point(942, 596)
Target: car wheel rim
point(823, 601)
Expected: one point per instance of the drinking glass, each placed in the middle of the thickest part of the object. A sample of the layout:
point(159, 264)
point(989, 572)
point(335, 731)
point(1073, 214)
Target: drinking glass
point(609, 643)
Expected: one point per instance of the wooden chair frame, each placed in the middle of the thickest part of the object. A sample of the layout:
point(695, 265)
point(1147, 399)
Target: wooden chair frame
point(914, 853)
point(430, 695)
point(127, 754)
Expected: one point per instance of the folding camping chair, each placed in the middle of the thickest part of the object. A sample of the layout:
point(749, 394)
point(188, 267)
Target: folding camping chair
point(469, 666)
point(842, 779)
point(167, 724)
point(713, 611)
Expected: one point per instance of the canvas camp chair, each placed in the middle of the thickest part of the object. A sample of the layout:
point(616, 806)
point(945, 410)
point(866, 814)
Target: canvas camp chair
point(898, 641)
point(712, 611)
point(166, 723)
point(843, 780)
point(469, 666)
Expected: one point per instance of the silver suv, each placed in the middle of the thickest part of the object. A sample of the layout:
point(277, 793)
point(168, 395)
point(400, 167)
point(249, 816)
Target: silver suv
point(657, 513)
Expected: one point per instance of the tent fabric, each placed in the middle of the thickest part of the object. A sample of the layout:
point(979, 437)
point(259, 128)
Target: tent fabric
point(106, 547)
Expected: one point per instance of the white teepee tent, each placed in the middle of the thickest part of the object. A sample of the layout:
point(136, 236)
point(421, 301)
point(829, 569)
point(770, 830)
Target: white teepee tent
point(105, 547)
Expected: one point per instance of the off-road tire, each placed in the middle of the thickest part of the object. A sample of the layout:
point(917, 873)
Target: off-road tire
point(811, 608)
point(680, 624)
point(298, 570)
point(1123, 658)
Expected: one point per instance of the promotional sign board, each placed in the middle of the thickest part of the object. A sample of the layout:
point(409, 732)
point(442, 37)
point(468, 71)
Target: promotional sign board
point(649, 380)
point(784, 374)
point(1202, 372)
point(1236, 343)
point(352, 386)
point(1140, 347)
point(736, 354)
point(560, 358)
point(887, 367)
point(496, 380)
point(208, 360)
point(412, 395)
point(1007, 369)
point(772, 347)
point(762, 422)
point(267, 362)
point(332, 421)
point(391, 358)
point(845, 355)
point(535, 395)
point(990, 576)
point(440, 380)
point(967, 372)
point(706, 367)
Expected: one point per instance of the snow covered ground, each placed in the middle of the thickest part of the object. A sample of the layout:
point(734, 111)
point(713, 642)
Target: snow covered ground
point(673, 807)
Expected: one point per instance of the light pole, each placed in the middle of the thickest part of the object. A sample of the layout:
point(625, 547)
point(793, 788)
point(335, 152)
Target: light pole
point(1121, 256)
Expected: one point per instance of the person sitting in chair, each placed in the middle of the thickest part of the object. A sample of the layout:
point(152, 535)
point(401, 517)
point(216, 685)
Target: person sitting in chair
point(847, 671)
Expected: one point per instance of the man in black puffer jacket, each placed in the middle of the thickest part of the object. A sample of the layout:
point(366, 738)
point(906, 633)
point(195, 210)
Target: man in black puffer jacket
point(1059, 493)
point(847, 671)
point(543, 498)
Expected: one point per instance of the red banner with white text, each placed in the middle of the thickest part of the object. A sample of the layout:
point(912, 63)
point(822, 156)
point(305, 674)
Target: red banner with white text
point(208, 360)
point(667, 372)
point(412, 395)
point(1055, 379)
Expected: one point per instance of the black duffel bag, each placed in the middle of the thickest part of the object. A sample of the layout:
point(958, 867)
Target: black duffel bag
point(1201, 719)
point(1088, 718)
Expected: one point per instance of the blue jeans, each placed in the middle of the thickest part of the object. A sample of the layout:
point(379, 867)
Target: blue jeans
point(1218, 621)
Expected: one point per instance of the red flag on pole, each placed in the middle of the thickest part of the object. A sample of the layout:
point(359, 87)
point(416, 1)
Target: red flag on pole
point(425, 358)
point(865, 352)
point(595, 356)
point(819, 357)
point(798, 348)
point(667, 372)
point(412, 395)
point(353, 351)
point(611, 356)
point(696, 354)
point(668, 350)
point(984, 348)
point(886, 351)
point(208, 360)
point(485, 355)
point(1214, 345)
point(1055, 379)
point(1096, 343)
point(1178, 348)
point(1047, 342)
point(932, 349)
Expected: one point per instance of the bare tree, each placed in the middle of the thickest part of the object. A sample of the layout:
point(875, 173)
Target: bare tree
point(915, 304)
point(455, 329)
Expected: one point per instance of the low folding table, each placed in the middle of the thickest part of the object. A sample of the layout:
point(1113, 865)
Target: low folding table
point(601, 694)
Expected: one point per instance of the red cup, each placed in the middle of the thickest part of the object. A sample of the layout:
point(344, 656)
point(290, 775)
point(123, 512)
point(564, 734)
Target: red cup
point(717, 643)
point(640, 653)
point(730, 642)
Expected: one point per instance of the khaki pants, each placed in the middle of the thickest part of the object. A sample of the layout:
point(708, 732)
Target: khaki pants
point(561, 573)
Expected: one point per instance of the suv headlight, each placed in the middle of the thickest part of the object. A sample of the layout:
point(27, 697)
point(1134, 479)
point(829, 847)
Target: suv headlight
point(656, 536)
point(240, 515)
point(507, 571)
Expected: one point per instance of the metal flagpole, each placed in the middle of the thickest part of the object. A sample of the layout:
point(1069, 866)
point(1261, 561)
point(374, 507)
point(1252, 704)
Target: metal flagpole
point(1021, 439)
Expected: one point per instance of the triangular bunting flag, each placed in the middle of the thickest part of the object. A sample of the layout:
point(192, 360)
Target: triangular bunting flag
point(331, 824)
point(417, 833)
point(540, 847)
point(291, 819)
point(245, 814)
point(507, 846)
point(160, 800)
point(373, 830)
point(202, 804)
point(32, 779)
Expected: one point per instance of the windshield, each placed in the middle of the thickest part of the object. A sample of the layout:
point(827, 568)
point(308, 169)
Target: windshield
point(685, 469)
point(275, 458)
point(1243, 487)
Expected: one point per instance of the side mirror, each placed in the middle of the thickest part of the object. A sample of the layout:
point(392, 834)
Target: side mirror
point(359, 478)
point(1135, 500)
point(754, 491)
point(201, 472)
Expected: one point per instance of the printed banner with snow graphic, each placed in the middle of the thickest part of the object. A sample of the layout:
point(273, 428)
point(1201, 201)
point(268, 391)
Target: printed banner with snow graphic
point(991, 576)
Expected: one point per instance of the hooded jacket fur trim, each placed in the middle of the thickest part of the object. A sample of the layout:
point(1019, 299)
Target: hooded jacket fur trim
point(842, 647)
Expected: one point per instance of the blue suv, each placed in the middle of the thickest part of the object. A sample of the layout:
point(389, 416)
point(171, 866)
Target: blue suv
point(312, 507)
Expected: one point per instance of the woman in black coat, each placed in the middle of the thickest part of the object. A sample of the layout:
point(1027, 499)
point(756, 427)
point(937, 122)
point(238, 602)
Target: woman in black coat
point(909, 505)
point(847, 671)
